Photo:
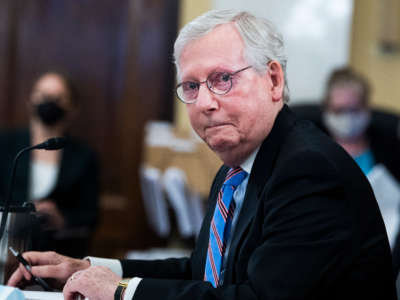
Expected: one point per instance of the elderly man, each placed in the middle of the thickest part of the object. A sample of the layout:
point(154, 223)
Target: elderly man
point(290, 215)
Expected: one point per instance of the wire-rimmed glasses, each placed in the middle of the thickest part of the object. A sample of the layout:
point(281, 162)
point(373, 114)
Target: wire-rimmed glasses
point(219, 83)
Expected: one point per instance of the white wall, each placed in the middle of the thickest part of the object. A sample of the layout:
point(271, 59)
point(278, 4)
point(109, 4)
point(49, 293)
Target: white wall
point(317, 36)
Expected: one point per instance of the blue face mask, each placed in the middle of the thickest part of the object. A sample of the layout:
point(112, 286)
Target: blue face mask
point(347, 125)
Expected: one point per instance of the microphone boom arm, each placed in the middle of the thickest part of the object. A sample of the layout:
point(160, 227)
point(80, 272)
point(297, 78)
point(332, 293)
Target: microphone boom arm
point(51, 144)
point(9, 191)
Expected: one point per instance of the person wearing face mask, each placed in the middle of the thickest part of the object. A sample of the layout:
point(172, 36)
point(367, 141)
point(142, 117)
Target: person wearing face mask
point(63, 185)
point(347, 117)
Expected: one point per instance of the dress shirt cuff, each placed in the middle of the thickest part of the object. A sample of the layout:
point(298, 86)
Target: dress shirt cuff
point(131, 289)
point(113, 264)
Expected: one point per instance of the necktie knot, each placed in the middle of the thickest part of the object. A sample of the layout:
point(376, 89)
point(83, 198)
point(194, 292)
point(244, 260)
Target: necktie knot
point(235, 177)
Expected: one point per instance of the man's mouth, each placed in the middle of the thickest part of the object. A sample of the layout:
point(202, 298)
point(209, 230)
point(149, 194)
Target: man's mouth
point(216, 125)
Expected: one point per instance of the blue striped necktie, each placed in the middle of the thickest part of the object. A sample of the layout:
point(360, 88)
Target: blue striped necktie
point(221, 225)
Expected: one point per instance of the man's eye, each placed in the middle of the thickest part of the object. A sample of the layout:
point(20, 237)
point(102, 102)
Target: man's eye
point(225, 77)
point(193, 85)
point(187, 86)
point(221, 81)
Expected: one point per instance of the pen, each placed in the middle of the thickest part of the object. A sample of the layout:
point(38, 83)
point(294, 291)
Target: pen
point(28, 267)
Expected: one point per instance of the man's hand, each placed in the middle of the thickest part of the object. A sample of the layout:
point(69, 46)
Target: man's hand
point(48, 265)
point(95, 283)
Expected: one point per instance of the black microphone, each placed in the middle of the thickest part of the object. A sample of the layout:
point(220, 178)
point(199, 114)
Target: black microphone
point(54, 143)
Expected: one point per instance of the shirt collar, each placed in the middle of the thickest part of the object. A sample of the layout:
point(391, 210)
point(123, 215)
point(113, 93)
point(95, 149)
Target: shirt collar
point(248, 163)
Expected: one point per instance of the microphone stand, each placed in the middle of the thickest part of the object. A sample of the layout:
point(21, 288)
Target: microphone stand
point(9, 191)
point(51, 144)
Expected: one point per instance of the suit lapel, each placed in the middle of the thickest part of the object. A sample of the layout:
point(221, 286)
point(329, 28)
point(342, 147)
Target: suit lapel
point(260, 173)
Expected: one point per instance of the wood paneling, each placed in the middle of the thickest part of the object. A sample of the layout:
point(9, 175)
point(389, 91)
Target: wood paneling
point(119, 56)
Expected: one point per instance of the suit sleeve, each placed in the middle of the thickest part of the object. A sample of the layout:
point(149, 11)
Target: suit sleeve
point(178, 268)
point(303, 240)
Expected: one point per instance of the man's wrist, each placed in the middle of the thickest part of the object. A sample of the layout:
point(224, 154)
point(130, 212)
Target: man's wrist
point(120, 290)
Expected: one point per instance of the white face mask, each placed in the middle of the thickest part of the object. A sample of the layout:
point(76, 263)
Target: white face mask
point(347, 125)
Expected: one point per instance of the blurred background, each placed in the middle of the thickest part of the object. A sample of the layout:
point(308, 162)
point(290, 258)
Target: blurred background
point(119, 56)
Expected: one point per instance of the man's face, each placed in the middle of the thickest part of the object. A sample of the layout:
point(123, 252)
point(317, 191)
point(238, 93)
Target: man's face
point(235, 124)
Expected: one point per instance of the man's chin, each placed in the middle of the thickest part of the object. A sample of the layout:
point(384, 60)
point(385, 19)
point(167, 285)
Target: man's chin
point(220, 147)
point(229, 154)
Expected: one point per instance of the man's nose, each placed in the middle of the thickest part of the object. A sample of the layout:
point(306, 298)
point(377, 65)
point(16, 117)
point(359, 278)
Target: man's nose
point(206, 100)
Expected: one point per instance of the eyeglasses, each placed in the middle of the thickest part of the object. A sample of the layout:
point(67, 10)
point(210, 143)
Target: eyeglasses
point(219, 83)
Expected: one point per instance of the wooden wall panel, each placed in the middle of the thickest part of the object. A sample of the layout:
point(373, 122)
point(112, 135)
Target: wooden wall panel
point(8, 34)
point(118, 54)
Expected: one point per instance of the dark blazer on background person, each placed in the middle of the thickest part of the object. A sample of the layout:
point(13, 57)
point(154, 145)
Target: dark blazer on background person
point(309, 228)
point(76, 192)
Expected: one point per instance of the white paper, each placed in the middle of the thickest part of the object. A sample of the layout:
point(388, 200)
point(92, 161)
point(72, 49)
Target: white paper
point(387, 194)
point(39, 295)
point(186, 204)
point(154, 200)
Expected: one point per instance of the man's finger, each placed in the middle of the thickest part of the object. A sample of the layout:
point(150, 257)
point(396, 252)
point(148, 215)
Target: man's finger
point(15, 278)
point(70, 290)
point(50, 271)
point(25, 272)
point(68, 295)
point(19, 274)
point(42, 258)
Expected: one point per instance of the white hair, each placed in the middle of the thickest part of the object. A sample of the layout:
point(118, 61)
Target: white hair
point(263, 43)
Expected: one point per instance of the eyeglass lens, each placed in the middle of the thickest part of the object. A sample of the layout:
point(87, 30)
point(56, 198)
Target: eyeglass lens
point(188, 90)
point(218, 82)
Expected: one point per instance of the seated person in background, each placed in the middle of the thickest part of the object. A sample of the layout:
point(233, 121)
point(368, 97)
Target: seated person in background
point(63, 185)
point(290, 215)
point(346, 115)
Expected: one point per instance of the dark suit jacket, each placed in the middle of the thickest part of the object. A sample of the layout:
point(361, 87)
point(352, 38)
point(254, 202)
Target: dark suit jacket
point(309, 228)
point(383, 134)
point(76, 192)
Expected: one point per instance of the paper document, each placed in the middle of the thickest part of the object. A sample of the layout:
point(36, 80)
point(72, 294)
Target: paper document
point(387, 193)
point(39, 295)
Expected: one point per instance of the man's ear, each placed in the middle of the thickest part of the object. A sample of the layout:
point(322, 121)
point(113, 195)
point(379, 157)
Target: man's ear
point(277, 79)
